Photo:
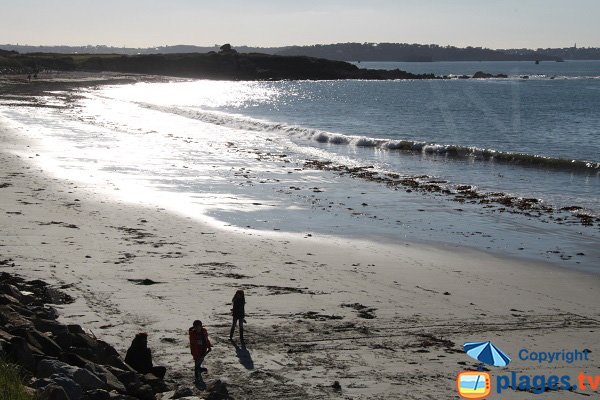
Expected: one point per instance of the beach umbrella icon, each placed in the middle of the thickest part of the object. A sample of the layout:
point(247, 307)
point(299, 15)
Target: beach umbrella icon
point(487, 353)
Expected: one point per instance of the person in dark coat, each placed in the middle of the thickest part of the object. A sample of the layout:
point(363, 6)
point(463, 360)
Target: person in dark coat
point(139, 357)
point(238, 314)
point(199, 346)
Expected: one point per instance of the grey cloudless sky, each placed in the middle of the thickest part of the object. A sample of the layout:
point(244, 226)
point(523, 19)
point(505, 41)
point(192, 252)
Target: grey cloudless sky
point(139, 23)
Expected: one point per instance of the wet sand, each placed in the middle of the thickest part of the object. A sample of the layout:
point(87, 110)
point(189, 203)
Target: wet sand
point(385, 320)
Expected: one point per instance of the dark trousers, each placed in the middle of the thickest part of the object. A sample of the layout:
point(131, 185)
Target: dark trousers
point(241, 323)
point(198, 367)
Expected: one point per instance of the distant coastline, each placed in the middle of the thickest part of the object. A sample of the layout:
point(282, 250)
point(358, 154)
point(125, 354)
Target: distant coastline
point(225, 65)
point(318, 62)
point(403, 52)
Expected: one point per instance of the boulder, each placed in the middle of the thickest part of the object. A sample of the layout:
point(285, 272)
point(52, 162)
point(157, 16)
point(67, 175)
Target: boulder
point(49, 325)
point(166, 395)
point(107, 355)
point(106, 376)
point(125, 377)
point(87, 380)
point(82, 340)
point(5, 336)
point(96, 395)
point(8, 299)
point(481, 74)
point(63, 339)
point(80, 344)
point(83, 377)
point(83, 352)
point(48, 367)
point(21, 310)
point(183, 391)
point(157, 384)
point(53, 392)
point(45, 311)
point(217, 390)
point(118, 396)
point(22, 353)
point(72, 389)
point(11, 318)
point(47, 345)
point(73, 359)
point(12, 291)
point(141, 391)
point(40, 383)
point(91, 349)
point(116, 362)
point(73, 328)
point(39, 340)
point(68, 339)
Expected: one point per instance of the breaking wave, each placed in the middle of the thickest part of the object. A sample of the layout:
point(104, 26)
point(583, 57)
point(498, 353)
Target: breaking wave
point(407, 146)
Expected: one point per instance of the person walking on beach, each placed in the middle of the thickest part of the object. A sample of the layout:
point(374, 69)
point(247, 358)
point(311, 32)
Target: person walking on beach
point(238, 314)
point(139, 357)
point(200, 346)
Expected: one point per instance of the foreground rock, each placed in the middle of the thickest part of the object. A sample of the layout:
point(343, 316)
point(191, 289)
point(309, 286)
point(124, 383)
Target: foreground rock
point(64, 362)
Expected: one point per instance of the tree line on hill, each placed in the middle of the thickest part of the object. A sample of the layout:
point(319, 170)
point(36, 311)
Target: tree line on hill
point(431, 53)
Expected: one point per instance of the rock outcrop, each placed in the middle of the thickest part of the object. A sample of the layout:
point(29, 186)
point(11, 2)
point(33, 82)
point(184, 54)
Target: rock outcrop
point(64, 362)
point(484, 75)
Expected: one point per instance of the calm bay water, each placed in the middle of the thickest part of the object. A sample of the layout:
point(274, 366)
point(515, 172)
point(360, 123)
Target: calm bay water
point(545, 69)
point(235, 152)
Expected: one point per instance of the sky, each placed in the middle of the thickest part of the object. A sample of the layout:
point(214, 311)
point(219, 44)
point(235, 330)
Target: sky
point(264, 23)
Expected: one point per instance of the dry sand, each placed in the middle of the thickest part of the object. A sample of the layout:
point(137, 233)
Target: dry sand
point(385, 320)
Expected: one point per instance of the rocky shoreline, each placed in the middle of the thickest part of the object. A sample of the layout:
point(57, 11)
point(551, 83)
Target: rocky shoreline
point(497, 201)
point(64, 362)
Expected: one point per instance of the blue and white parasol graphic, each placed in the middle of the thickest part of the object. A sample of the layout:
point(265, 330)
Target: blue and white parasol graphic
point(486, 353)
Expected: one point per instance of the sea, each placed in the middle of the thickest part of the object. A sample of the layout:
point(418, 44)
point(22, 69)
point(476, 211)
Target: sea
point(510, 166)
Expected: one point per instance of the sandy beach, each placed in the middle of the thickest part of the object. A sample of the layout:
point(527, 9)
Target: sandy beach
point(386, 321)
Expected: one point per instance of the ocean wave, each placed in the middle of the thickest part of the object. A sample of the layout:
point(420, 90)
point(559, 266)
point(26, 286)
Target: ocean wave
point(455, 151)
point(452, 151)
point(227, 120)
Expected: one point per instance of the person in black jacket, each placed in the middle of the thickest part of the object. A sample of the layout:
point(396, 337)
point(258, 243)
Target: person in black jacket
point(238, 314)
point(139, 357)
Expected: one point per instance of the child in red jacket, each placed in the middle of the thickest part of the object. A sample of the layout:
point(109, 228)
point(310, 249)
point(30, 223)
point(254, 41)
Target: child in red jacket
point(200, 347)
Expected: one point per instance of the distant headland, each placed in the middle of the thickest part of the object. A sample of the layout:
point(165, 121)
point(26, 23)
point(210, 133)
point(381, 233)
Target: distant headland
point(226, 64)
point(348, 52)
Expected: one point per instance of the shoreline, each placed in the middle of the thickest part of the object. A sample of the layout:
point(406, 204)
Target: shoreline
point(465, 197)
point(373, 316)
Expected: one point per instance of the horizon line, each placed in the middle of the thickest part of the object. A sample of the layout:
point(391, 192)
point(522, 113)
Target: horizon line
point(297, 45)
